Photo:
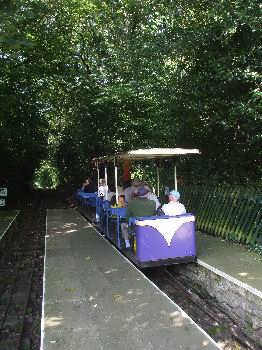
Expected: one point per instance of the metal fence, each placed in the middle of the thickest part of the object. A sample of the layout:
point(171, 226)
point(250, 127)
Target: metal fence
point(226, 211)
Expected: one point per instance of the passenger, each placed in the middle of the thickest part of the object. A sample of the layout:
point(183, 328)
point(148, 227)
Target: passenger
point(131, 189)
point(139, 206)
point(102, 189)
point(127, 190)
point(174, 207)
point(110, 194)
point(120, 190)
point(121, 201)
point(152, 196)
point(88, 186)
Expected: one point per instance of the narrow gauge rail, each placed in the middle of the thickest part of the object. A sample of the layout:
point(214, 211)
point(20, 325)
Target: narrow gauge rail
point(202, 308)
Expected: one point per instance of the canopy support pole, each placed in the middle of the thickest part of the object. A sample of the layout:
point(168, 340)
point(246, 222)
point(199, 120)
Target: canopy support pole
point(116, 180)
point(98, 174)
point(98, 178)
point(175, 177)
point(106, 192)
point(157, 176)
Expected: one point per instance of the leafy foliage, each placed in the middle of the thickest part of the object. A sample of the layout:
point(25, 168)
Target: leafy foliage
point(46, 176)
point(83, 78)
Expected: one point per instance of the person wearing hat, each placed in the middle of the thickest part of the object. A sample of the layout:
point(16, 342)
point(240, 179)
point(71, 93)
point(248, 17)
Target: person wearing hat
point(130, 189)
point(152, 196)
point(139, 206)
point(174, 207)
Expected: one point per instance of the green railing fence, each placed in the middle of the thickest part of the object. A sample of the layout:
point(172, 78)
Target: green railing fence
point(226, 211)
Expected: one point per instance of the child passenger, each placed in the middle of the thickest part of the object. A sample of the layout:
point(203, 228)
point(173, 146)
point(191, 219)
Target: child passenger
point(121, 201)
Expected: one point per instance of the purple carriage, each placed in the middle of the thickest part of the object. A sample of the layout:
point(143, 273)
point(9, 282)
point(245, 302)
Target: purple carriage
point(164, 240)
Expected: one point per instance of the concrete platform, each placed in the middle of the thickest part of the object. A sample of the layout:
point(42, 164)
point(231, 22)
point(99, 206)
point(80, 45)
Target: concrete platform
point(231, 261)
point(7, 217)
point(95, 299)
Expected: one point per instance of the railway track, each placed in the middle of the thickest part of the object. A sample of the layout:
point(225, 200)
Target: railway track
point(202, 308)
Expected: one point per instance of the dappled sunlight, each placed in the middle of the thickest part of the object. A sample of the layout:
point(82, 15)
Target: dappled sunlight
point(243, 274)
point(135, 291)
point(130, 318)
point(69, 224)
point(247, 276)
point(130, 296)
point(87, 226)
point(141, 306)
point(111, 271)
point(69, 228)
point(70, 231)
point(138, 291)
point(53, 321)
point(177, 319)
point(121, 299)
point(205, 343)
point(64, 232)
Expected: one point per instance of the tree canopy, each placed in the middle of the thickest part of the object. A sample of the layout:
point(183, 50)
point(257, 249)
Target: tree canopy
point(81, 78)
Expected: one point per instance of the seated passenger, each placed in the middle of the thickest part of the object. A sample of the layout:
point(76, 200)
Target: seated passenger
point(110, 193)
point(130, 189)
point(120, 190)
point(88, 186)
point(174, 207)
point(152, 196)
point(121, 201)
point(140, 205)
point(102, 189)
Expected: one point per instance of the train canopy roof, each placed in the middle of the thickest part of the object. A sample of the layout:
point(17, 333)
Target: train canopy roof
point(150, 153)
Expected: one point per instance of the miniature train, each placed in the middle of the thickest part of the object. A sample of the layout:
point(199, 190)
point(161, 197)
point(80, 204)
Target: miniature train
point(155, 240)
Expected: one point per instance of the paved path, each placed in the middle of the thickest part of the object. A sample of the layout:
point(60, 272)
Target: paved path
point(96, 300)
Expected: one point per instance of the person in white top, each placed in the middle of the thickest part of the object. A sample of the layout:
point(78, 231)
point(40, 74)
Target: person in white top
point(173, 207)
point(102, 189)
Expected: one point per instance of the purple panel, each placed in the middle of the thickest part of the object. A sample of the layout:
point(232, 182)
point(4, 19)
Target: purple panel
point(151, 245)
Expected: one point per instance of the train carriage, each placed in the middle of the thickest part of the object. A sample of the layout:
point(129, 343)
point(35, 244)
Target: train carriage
point(156, 240)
